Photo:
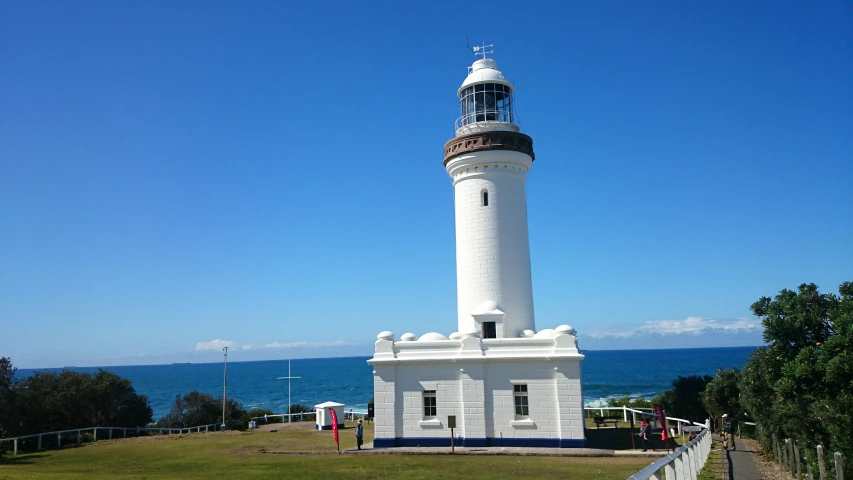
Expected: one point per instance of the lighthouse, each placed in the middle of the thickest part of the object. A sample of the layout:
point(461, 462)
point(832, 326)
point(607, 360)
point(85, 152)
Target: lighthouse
point(496, 380)
point(488, 161)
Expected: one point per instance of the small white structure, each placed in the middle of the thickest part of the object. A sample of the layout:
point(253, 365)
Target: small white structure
point(324, 417)
point(505, 383)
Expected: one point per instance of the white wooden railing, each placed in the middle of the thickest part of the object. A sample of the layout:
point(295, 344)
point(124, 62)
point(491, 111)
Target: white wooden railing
point(680, 422)
point(109, 431)
point(683, 464)
point(348, 415)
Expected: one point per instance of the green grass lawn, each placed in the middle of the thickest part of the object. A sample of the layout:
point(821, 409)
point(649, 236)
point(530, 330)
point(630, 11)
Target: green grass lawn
point(238, 455)
point(715, 468)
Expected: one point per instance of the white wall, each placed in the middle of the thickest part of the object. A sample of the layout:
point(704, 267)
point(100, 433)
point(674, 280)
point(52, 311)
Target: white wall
point(492, 244)
point(480, 394)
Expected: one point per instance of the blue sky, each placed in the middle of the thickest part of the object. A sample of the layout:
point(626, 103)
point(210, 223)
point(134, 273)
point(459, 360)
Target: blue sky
point(178, 176)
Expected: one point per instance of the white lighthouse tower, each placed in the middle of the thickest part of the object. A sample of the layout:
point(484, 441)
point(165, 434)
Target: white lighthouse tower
point(495, 380)
point(488, 162)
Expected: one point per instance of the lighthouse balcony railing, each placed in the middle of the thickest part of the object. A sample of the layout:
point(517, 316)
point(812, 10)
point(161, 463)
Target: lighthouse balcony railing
point(500, 116)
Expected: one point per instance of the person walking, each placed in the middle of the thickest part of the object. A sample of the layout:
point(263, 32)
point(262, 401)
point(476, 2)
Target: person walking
point(359, 434)
point(728, 432)
point(645, 432)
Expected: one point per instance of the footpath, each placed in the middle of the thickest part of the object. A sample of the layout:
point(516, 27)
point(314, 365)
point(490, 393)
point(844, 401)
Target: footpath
point(742, 463)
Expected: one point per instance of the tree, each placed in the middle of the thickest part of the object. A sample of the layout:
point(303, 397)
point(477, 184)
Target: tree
point(196, 409)
point(685, 399)
point(297, 408)
point(722, 394)
point(7, 397)
point(801, 385)
point(49, 401)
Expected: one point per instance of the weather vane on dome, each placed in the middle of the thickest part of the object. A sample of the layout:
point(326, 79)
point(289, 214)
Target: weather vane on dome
point(481, 50)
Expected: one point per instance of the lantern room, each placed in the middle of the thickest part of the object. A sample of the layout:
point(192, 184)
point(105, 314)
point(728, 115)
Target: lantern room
point(485, 100)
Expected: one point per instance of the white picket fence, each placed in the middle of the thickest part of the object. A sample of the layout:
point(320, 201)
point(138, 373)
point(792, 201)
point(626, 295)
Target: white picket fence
point(109, 434)
point(683, 464)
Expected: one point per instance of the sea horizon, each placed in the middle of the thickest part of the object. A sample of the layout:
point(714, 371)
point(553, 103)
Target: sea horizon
point(582, 350)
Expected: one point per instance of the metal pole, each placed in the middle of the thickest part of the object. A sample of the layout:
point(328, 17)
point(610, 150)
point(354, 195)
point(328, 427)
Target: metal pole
point(289, 402)
point(224, 383)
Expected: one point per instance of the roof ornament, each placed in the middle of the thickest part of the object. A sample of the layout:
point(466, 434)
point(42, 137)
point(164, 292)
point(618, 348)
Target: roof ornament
point(481, 50)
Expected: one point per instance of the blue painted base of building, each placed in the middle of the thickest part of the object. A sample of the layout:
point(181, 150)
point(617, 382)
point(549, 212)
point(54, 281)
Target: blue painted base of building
point(329, 427)
point(479, 442)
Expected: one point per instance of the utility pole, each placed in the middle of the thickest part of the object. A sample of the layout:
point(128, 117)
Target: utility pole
point(224, 385)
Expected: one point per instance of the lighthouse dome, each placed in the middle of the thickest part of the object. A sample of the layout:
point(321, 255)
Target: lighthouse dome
point(485, 100)
point(485, 70)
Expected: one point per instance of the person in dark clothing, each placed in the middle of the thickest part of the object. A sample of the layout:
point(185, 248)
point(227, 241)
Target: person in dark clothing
point(645, 433)
point(359, 434)
point(728, 433)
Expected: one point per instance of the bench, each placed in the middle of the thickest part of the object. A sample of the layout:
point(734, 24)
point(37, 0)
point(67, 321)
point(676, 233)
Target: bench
point(599, 421)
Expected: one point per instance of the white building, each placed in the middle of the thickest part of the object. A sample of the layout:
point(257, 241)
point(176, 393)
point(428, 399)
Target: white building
point(505, 383)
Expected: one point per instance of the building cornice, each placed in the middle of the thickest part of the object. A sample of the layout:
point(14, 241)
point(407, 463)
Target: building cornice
point(491, 140)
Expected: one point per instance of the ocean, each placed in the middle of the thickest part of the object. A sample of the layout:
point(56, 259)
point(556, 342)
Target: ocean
point(606, 374)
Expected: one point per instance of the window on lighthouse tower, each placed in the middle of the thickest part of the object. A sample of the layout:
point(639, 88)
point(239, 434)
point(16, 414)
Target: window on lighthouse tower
point(486, 102)
point(485, 198)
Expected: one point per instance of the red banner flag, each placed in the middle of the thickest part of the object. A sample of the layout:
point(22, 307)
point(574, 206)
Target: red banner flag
point(334, 424)
point(664, 433)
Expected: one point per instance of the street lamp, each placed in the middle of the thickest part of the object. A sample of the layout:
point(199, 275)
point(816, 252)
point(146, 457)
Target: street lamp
point(224, 385)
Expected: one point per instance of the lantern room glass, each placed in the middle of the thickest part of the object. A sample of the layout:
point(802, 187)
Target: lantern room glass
point(486, 102)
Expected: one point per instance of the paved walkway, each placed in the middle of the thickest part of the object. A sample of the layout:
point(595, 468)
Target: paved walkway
point(367, 449)
point(742, 463)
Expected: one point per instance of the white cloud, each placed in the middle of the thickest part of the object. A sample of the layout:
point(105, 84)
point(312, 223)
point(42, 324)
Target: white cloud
point(688, 326)
point(214, 345)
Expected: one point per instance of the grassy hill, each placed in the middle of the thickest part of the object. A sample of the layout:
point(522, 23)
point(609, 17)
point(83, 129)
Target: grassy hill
point(240, 455)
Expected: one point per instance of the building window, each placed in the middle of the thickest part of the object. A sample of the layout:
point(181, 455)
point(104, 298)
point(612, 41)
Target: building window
point(486, 102)
point(489, 330)
point(429, 404)
point(485, 198)
point(520, 397)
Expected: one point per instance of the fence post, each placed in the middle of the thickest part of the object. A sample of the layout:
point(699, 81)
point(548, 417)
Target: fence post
point(775, 448)
point(15, 441)
point(679, 468)
point(95, 434)
point(697, 454)
point(821, 469)
point(39, 442)
point(58, 440)
point(839, 467)
point(809, 471)
point(669, 470)
point(78, 438)
point(791, 456)
point(797, 458)
point(125, 433)
point(691, 463)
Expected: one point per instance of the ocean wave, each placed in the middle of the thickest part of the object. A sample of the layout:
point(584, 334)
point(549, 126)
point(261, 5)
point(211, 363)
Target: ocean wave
point(602, 401)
